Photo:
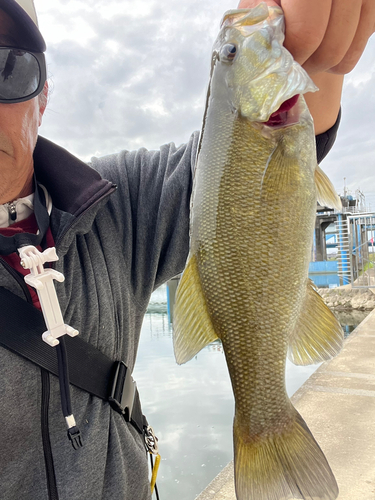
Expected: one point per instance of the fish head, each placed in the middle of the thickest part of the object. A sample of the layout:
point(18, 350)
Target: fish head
point(261, 79)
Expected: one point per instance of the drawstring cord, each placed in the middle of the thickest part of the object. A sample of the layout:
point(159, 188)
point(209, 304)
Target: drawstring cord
point(73, 432)
point(42, 280)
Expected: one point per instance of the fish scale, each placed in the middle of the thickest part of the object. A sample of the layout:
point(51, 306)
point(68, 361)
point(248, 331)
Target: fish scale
point(239, 188)
point(245, 282)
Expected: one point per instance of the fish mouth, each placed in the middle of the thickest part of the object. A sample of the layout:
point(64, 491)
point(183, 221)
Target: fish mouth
point(280, 117)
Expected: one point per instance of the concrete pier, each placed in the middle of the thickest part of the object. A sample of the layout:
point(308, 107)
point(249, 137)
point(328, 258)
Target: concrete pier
point(338, 404)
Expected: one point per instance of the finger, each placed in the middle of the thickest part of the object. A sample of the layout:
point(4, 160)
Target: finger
point(306, 23)
point(339, 35)
point(324, 105)
point(366, 28)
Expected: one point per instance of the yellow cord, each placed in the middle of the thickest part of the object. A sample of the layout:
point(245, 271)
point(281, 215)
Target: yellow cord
point(155, 472)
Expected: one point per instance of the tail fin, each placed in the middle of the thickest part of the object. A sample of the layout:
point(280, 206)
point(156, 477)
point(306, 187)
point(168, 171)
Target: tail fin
point(283, 466)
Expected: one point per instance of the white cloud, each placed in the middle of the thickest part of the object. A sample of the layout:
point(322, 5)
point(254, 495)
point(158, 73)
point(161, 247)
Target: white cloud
point(134, 73)
point(65, 21)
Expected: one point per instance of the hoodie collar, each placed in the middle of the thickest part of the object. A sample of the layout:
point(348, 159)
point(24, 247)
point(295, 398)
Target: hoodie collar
point(72, 184)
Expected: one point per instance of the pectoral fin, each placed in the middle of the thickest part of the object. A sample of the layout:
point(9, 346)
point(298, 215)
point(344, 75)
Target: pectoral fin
point(327, 196)
point(192, 326)
point(318, 335)
point(280, 177)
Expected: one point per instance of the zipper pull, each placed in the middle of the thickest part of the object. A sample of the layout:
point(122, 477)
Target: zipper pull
point(12, 212)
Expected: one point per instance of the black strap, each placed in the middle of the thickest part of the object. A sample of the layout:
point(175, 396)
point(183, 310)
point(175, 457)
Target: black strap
point(21, 328)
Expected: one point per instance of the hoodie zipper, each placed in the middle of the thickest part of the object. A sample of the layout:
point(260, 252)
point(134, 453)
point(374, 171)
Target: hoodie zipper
point(47, 449)
point(12, 212)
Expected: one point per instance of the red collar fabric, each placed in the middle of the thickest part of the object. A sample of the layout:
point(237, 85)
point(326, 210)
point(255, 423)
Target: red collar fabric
point(28, 225)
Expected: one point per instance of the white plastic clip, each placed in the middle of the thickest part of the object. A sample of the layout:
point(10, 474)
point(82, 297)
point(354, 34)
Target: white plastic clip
point(42, 280)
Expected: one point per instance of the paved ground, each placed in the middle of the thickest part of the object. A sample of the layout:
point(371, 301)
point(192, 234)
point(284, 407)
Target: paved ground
point(338, 404)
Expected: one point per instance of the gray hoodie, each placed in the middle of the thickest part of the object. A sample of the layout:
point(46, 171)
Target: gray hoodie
point(116, 245)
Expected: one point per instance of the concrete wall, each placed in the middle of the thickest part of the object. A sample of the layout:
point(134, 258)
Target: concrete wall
point(338, 404)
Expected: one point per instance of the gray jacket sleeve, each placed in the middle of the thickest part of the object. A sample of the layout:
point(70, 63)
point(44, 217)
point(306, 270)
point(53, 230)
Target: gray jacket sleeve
point(149, 213)
point(325, 141)
point(150, 210)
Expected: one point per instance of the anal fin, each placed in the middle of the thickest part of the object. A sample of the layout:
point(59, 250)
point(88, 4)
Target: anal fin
point(317, 335)
point(192, 326)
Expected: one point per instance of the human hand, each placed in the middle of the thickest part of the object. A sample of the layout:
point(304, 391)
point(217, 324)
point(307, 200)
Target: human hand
point(325, 35)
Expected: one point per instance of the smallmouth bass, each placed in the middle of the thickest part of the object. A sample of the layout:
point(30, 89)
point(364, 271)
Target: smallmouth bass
point(253, 209)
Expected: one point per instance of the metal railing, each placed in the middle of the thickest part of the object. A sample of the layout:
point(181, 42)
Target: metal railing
point(361, 232)
point(343, 247)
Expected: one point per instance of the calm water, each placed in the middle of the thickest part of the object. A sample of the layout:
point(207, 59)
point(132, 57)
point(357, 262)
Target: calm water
point(191, 406)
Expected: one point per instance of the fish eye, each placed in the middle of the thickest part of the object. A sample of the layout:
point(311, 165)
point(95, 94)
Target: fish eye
point(228, 52)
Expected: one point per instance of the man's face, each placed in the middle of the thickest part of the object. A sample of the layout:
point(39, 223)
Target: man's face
point(18, 132)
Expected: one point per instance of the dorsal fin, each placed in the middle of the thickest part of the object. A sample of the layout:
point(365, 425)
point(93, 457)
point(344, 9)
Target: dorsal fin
point(327, 196)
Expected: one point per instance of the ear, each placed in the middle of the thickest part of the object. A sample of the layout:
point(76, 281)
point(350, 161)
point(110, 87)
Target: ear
point(43, 98)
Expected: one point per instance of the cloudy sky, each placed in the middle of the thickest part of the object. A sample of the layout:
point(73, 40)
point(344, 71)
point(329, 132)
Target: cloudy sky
point(126, 74)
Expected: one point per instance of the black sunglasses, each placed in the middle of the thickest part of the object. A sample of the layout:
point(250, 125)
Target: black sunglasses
point(22, 74)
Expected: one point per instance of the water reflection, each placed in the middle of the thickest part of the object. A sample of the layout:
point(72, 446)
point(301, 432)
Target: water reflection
point(190, 406)
point(349, 320)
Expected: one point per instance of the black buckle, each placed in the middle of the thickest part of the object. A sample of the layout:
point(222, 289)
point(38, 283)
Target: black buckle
point(75, 437)
point(123, 391)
